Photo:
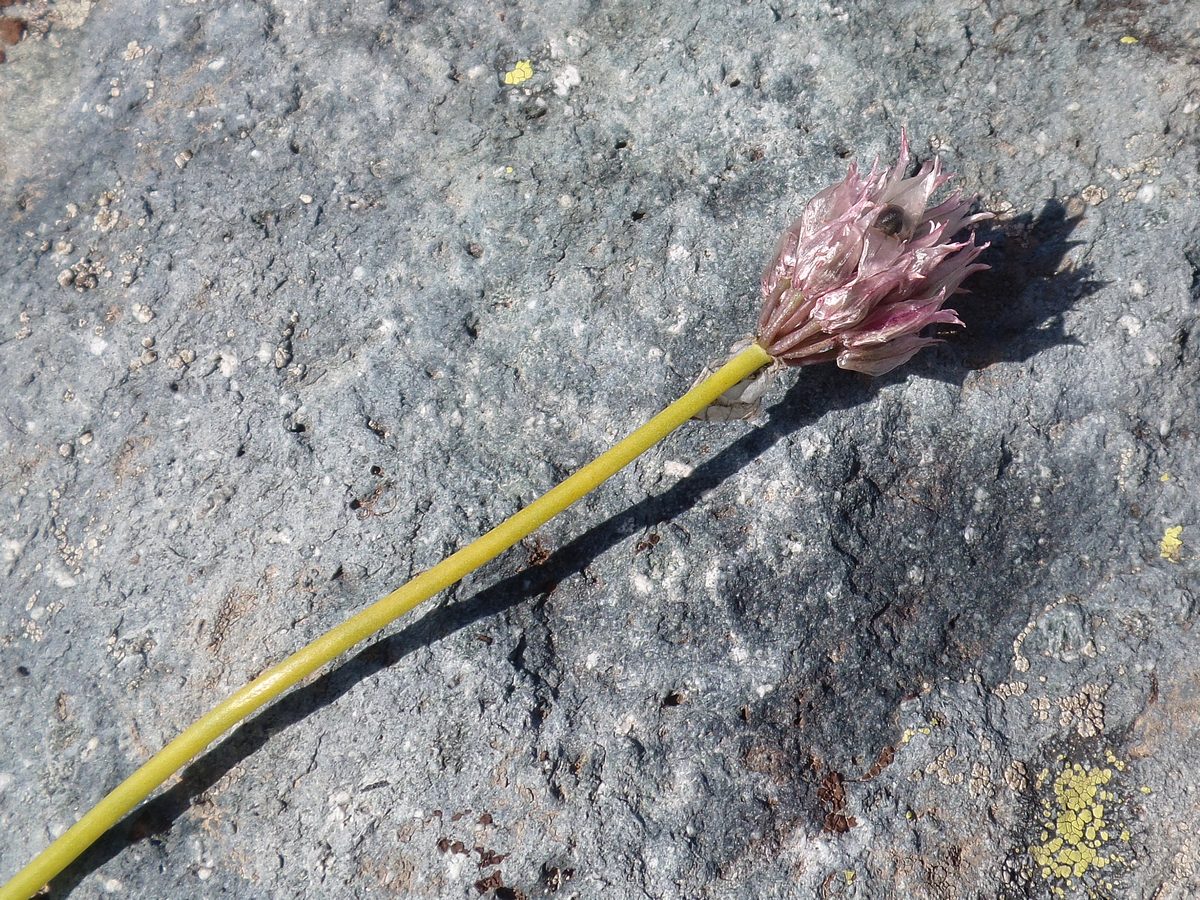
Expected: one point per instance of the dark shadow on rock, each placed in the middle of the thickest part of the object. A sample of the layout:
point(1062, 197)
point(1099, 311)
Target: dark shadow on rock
point(1014, 310)
point(1015, 313)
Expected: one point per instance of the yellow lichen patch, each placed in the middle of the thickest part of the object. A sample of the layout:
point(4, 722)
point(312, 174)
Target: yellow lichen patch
point(520, 73)
point(924, 731)
point(1164, 477)
point(849, 875)
point(1129, 39)
point(910, 733)
point(1112, 759)
point(1075, 845)
point(1171, 544)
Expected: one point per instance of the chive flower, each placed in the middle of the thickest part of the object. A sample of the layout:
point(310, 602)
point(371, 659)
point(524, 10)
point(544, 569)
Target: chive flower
point(867, 268)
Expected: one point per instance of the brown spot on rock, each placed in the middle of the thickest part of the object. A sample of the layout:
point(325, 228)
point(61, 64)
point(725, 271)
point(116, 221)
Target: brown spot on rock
point(12, 30)
point(493, 882)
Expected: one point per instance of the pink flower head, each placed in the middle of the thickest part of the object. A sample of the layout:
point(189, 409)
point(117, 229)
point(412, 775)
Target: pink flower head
point(866, 268)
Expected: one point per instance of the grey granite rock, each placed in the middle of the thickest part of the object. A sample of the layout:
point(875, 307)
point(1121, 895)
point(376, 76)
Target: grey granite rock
point(299, 296)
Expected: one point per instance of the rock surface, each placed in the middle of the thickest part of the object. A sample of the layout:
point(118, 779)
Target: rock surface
point(299, 296)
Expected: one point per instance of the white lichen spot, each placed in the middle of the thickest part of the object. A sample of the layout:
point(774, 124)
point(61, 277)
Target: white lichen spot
point(981, 783)
point(1041, 708)
point(1008, 689)
point(677, 469)
point(813, 444)
point(456, 864)
point(1084, 711)
point(1016, 776)
point(565, 80)
point(713, 576)
point(62, 578)
point(1131, 324)
point(11, 553)
point(625, 725)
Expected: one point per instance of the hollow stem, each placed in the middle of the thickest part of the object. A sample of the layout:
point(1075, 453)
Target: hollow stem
point(328, 646)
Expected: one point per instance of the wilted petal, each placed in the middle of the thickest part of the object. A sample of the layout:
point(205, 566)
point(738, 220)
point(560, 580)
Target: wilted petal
point(835, 203)
point(890, 322)
point(833, 261)
point(953, 271)
point(839, 310)
point(882, 358)
point(783, 263)
point(953, 214)
point(912, 194)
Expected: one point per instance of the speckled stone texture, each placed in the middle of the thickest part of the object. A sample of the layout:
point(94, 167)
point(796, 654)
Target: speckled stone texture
point(300, 296)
